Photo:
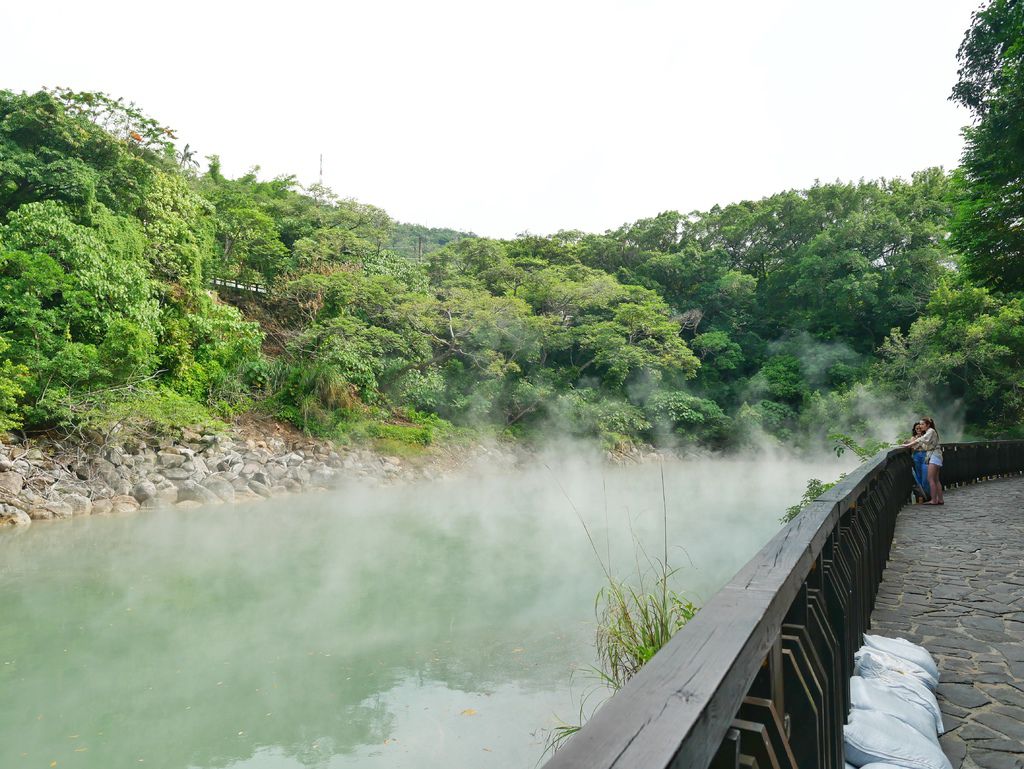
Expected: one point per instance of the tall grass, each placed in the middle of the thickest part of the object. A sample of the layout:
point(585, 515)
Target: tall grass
point(635, 618)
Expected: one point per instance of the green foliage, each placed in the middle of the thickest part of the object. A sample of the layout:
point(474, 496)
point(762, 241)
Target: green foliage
point(969, 344)
point(634, 623)
point(987, 229)
point(689, 417)
point(12, 380)
point(815, 488)
point(140, 413)
point(714, 327)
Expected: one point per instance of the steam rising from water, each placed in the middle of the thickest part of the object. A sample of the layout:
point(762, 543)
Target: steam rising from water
point(429, 625)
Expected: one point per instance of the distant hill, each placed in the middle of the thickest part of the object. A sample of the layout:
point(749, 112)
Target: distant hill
point(414, 241)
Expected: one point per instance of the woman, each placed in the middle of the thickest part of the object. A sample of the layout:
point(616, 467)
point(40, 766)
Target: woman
point(929, 442)
point(920, 462)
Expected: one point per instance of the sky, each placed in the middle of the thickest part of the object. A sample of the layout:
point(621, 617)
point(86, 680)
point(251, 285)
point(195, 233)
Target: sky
point(530, 116)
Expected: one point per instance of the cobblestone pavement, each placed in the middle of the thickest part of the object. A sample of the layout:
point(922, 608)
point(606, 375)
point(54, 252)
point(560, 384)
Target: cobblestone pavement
point(955, 584)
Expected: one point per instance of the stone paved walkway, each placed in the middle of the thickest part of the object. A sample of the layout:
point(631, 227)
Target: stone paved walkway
point(955, 584)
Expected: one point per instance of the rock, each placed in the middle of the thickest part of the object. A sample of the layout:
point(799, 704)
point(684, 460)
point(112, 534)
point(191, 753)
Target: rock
point(166, 495)
point(189, 504)
point(49, 510)
point(34, 455)
point(144, 490)
point(260, 488)
point(12, 516)
point(276, 471)
point(122, 488)
point(101, 506)
point(199, 467)
point(170, 458)
point(278, 490)
point(122, 503)
point(102, 467)
point(300, 474)
point(221, 487)
point(192, 491)
point(249, 469)
point(176, 473)
point(322, 476)
point(11, 482)
point(67, 487)
point(79, 504)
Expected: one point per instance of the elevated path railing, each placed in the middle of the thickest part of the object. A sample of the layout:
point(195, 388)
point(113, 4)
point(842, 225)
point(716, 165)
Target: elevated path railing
point(760, 677)
point(236, 285)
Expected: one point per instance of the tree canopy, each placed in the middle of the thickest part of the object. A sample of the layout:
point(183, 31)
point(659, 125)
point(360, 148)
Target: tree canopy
point(767, 317)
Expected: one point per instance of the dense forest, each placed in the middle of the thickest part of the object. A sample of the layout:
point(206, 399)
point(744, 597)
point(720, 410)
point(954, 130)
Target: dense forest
point(778, 317)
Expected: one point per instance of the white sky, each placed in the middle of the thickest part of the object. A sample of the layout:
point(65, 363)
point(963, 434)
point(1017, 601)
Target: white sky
point(523, 116)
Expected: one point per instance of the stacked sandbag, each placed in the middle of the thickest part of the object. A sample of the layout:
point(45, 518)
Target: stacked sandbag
point(895, 719)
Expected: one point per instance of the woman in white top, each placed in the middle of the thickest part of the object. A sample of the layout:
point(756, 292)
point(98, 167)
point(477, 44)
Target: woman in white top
point(929, 442)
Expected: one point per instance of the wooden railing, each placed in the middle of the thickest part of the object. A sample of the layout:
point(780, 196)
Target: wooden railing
point(760, 677)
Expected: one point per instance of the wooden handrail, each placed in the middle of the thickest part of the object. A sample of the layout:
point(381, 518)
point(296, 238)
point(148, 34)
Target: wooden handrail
point(760, 676)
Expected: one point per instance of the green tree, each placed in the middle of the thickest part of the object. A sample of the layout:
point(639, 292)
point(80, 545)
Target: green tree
point(987, 229)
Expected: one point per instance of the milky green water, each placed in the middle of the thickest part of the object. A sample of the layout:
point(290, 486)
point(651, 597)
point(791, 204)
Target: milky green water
point(431, 626)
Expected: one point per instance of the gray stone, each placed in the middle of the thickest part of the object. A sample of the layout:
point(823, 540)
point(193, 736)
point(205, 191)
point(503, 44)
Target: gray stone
point(12, 516)
point(169, 458)
point(201, 469)
point(11, 482)
point(221, 487)
point(963, 695)
point(322, 476)
point(992, 760)
point(190, 491)
point(50, 510)
point(144, 491)
point(101, 506)
point(166, 495)
point(79, 504)
point(250, 468)
point(260, 488)
point(176, 473)
point(123, 503)
point(1010, 727)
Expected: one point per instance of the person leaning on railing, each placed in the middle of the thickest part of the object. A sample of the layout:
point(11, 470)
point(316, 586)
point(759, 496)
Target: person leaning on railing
point(920, 463)
point(929, 443)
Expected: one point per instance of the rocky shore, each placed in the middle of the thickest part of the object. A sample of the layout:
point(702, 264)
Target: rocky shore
point(49, 479)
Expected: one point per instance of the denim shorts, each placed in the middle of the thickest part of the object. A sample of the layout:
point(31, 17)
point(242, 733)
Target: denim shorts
point(935, 458)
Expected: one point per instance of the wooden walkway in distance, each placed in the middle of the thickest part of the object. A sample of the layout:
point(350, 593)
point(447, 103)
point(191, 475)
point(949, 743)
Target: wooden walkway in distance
point(955, 584)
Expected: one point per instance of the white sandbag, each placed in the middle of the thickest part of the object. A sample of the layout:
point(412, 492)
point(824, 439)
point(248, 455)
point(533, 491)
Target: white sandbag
point(909, 689)
point(872, 694)
point(867, 658)
point(901, 647)
point(875, 737)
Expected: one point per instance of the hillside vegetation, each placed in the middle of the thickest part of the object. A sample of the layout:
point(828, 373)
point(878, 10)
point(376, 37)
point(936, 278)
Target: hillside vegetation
point(782, 316)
